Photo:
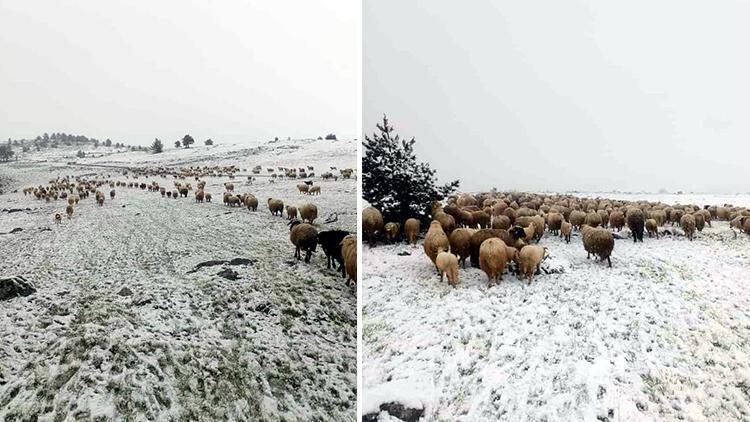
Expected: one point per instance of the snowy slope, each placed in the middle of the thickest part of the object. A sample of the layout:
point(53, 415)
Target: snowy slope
point(663, 335)
point(277, 344)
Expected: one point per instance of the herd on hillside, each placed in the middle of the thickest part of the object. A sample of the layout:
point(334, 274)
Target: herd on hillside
point(339, 246)
point(496, 231)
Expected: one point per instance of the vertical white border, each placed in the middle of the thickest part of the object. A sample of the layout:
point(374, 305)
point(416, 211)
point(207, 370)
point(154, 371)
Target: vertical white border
point(360, 137)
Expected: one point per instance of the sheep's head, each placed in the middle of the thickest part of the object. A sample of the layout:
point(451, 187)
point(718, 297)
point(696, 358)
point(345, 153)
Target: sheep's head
point(517, 232)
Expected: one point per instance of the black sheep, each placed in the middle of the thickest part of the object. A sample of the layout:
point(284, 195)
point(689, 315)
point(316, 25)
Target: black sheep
point(330, 241)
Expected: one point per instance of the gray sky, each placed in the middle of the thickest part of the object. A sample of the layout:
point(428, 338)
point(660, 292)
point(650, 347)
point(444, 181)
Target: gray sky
point(134, 70)
point(588, 95)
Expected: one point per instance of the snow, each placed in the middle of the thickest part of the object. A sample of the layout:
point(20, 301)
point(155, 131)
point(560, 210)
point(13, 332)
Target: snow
point(277, 344)
point(663, 335)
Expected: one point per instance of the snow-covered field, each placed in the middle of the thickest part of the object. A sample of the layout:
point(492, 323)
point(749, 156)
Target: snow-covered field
point(121, 328)
point(663, 335)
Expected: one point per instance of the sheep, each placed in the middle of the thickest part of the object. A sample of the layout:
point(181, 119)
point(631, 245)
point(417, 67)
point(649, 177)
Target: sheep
point(169, 194)
point(554, 222)
point(100, 200)
point(435, 240)
point(478, 237)
point(447, 264)
point(372, 224)
point(706, 216)
point(501, 222)
point(616, 220)
point(276, 206)
point(199, 196)
point(411, 230)
point(58, 218)
point(303, 188)
point(447, 222)
point(207, 197)
point(577, 218)
point(184, 192)
point(349, 253)
point(598, 241)
point(493, 258)
point(330, 242)
point(524, 233)
point(308, 212)
point(391, 231)
point(229, 187)
point(636, 222)
point(511, 253)
point(700, 223)
point(738, 223)
point(291, 212)
point(593, 219)
point(687, 222)
point(163, 192)
point(530, 259)
point(652, 228)
point(251, 202)
point(112, 194)
point(304, 237)
point(565, 230)
point(71, 201)
point(460, 242)
point(604, 216)
point(233, 201)
point(69, 211)
point(481, 218)
point(314, 190)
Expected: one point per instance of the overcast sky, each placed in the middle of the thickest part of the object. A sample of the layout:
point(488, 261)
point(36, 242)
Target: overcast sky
point(134, 70)
point(588, 95)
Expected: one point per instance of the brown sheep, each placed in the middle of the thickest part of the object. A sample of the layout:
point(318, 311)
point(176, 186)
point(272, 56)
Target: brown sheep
point(391, 231)
point(112, 194)
point(291, 212)
point(304, 237)
point(58, 218)
point(233, 201)
point(411, 230)
point(530, 260)
point(435, 240)
point(251, 202)
point(308, 212)
point(372, 224)
point(565, 230)
point(593, 219)
point(460, 241)
point(493, 258)
point(687, 222)
point(276, 206)
point(652, 228)
point(447, 264)
point(554, 222)
point(314, 190)
point(199, 196)
point(479, 236)
point(447, 222)
point(69, 211)
point(501, 222)
point(577, 218)
point(700, 222)
point(207, 197)
point(599, 242)
point(616, 220)
point(349, 253)
point(303, 188)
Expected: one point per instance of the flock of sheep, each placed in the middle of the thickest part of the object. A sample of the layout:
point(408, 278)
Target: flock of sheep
point(503, 230)
point(338, 245)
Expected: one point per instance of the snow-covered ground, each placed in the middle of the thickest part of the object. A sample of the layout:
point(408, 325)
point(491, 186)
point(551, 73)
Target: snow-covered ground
point(120, 328)
point(662, 335)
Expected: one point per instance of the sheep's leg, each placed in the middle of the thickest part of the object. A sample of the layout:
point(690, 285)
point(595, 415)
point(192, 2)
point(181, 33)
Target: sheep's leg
point(441, 276)
point(308, 254)
point(609, 261)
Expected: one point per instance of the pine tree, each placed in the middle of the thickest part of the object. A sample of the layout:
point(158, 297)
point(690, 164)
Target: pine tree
point(157, 147)
point(394, 182)
point(209, 141)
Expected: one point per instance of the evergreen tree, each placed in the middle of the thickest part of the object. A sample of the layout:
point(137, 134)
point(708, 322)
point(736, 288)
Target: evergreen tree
point(6, 153)
point(80, 154)
point(176, 144)
point(157, 147)
point(394, 182)
point(187, 140)
point(209, 141)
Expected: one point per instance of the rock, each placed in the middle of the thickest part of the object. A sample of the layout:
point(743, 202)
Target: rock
point(229, 274)
point(266, 308)
point(125, 292)
point(397, 410)
point(14, 287)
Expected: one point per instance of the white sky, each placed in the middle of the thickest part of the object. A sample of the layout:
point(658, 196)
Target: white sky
point(233, 71)
point(581, 94)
